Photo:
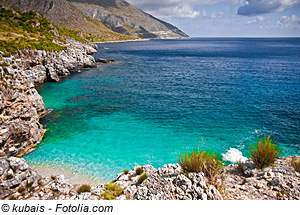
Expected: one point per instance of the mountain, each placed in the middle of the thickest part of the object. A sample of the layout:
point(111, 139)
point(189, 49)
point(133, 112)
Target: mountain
point(121, 17)
point(100, 19)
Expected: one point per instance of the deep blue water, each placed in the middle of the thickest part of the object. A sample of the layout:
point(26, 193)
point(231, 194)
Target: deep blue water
point(166, 97)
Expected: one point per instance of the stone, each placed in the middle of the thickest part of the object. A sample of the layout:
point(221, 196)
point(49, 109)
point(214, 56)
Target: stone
point(18, 163)
point(101, 60)
point(203, 196)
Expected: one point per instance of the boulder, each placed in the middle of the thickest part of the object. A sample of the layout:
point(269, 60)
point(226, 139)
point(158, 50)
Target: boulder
point(101, 60)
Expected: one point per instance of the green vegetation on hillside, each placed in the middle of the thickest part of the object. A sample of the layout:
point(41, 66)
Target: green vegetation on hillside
point(112, 191)
point(30, 30)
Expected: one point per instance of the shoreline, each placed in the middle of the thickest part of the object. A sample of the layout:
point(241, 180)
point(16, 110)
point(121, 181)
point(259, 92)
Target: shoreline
point(122, 41)
point(70, 176)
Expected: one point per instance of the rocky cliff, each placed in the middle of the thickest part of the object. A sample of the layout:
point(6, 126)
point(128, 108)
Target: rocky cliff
point(100, 19)
point(21, 106)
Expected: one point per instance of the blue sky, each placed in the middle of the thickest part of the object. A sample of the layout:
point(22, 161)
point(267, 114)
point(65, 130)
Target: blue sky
point(228, 18)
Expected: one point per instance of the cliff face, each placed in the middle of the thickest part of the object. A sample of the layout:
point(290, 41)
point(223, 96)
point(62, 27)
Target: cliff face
point(101, 18)
point(21, 106)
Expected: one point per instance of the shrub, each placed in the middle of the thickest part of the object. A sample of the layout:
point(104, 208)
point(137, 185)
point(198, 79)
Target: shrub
point(12, 197)
point(3, 64)
point(84, 188)
point(295, 164)
point(192, 162)
point(264, 153)
point(29, 184)
point(143, 177)
point(201, 161)
point(212, 166)
point(126, 171)
point(139, 170)
point(111, 192)
point(52, 177)
point(240, 165)
point(21, 189)
point(9, 176)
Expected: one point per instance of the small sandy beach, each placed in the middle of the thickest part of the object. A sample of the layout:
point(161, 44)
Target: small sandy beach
point(69, 176)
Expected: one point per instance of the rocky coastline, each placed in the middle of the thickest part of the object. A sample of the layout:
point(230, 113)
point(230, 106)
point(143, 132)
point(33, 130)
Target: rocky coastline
point(21, 107)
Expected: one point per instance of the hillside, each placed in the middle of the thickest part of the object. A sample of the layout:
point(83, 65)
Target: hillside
point(29, 30)
point(99, 20)
point(121, 17)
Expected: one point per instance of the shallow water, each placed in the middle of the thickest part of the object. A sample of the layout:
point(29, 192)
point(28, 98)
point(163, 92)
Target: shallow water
point(166, 97)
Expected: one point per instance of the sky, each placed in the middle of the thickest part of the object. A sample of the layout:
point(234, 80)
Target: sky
point(228, 18)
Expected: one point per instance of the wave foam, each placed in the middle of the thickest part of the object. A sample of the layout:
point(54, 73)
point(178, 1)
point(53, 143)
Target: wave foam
point(234, 155)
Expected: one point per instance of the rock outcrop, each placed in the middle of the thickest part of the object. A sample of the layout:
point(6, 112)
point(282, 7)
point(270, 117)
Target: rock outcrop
point(278, 182)
point(106, 61)
point(19, 181)
point(166, 183)
point(21, 106)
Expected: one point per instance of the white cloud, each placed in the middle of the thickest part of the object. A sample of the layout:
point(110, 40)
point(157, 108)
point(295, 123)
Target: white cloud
point(288, 22)
point(178, 11)
point(176, 8)
point(257, 19)
point(217, 15)
point(256, 7)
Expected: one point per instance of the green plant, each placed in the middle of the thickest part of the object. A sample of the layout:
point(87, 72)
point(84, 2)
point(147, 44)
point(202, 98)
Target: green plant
point(12, 197)
point(143, 177)
point(295, 164)
point(29, 184)
point(212, 165)
point(139, 170)
point(201, 161)
point(111, 192)
point(3, 64)
point(9, 176)
point(264, 153)
point(126, 171)
point(84, 188)
point(21, 189)
point(192, 162)
point(39, 183)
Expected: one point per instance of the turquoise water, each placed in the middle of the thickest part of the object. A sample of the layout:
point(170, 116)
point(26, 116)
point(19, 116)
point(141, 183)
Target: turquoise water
point(166, 97)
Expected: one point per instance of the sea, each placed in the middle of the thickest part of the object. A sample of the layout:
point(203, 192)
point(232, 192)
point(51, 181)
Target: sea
point(166, 97)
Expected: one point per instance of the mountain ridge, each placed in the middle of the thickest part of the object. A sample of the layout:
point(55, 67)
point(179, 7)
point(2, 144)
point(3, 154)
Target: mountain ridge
point(100, 20)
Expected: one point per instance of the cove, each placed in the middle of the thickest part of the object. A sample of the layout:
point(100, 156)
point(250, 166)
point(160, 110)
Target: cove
point(168, 96)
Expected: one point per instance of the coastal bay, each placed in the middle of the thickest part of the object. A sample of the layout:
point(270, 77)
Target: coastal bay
point(189, 92)
point(58, 187)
